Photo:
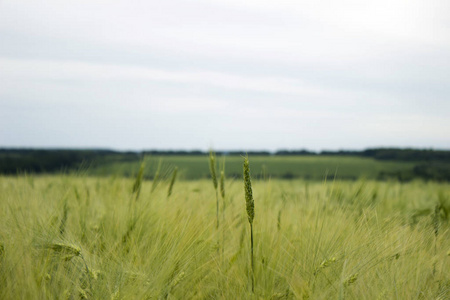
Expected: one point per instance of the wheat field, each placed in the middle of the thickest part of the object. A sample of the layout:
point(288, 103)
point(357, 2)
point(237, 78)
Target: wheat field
point(80, 237)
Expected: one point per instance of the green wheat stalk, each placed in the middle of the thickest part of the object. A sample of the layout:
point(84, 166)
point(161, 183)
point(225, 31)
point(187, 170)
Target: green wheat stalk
point(212, 169)
point(138, 181)
point(62, 224)
point(437, 210)
point(250, 207)
point(156, 177)
point(222, 184)
point(222, 194)
point(172, 181)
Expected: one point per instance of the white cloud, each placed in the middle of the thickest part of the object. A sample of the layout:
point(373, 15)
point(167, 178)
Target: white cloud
point(317, 74)
point(14, 69)
point(321, 32)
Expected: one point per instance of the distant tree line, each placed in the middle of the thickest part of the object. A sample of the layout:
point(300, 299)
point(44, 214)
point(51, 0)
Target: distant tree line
point(376, 153)
point(427, 171)
point(381, 154)
point(407, 154)
point(200, 152)
point(13, 161)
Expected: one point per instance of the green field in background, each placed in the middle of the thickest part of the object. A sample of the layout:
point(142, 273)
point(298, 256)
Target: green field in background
point(287, 167)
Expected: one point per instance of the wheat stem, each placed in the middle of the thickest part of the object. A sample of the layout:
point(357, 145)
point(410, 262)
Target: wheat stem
point(172, 181)
point(138, 181)
point(212, 169)
point(156, 177)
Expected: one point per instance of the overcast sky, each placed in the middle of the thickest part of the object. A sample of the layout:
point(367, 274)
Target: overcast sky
point(232, 74)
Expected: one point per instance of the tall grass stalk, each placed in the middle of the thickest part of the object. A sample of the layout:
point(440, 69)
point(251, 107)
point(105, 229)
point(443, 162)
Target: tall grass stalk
point(133, 210)
point(250, 207)
point(172, 181)
point(138, 181)
point(222, 194)
point(156, 177)
point(437, 210)
point(222, 184)
point(62, 224)
point(212, 169)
